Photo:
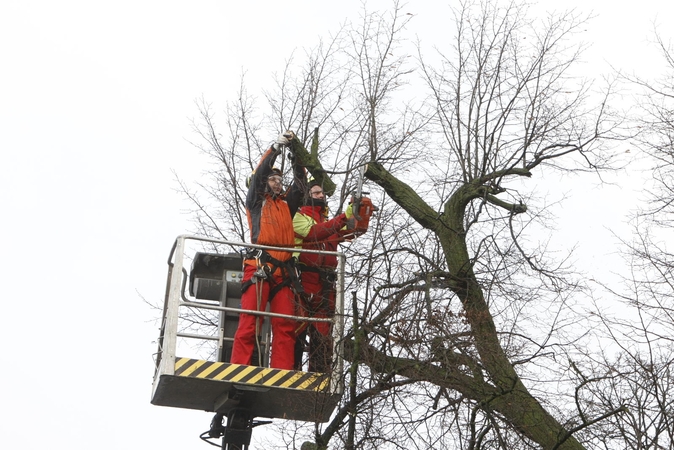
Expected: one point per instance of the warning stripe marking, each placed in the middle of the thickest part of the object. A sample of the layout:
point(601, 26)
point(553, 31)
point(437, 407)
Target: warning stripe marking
point(221, 371)
point(261, 376)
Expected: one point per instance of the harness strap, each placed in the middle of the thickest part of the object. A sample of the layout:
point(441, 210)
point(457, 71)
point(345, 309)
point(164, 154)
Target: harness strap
point(327, 276)
point(270, 265)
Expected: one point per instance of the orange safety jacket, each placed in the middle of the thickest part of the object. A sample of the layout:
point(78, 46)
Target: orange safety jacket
point(270, 216)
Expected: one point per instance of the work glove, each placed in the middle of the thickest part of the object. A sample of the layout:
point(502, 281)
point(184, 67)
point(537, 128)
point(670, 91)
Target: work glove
point(349, 211)
point(283, 140)
point(289, 135)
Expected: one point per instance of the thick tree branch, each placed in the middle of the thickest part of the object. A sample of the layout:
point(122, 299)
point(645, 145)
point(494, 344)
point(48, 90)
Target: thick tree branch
point(403, 195)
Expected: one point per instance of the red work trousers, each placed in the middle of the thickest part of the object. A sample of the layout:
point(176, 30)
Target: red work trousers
point(283, 330)
point(320, 303)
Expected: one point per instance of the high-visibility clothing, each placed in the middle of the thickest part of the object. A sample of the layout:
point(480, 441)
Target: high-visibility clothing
point(270, 218)
point(314, 231)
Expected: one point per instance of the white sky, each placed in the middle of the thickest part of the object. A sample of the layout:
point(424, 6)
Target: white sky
point(95, 106)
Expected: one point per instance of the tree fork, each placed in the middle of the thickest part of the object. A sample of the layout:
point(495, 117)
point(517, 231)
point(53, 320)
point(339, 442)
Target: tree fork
point(513, 400)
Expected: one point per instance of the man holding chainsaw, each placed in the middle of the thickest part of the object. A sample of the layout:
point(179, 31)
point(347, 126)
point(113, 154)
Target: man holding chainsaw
point(267, 274)
point(314, 231)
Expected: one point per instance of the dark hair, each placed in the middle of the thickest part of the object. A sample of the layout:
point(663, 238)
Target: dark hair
point(313, 183)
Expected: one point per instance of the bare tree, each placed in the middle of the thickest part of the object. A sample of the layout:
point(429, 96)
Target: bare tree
point(462, 332)
point(640, 373)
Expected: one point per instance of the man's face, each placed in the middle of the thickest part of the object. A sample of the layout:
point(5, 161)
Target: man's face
point(317, 193)
point(275, 183)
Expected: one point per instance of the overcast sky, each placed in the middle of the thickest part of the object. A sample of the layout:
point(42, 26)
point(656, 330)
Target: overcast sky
point(95, 106)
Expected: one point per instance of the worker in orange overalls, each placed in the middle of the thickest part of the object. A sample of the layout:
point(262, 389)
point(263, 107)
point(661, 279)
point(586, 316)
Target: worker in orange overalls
point(266, 275)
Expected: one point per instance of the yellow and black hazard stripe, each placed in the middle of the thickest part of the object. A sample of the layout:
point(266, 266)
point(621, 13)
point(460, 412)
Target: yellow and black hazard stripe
point(262, 376)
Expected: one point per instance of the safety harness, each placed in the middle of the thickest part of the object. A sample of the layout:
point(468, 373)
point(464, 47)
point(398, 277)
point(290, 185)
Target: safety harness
point(268, 265)
point(327, 277)
point(290, 275)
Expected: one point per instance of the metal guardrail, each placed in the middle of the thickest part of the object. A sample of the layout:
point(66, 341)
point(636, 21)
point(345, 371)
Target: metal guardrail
point(175, 299)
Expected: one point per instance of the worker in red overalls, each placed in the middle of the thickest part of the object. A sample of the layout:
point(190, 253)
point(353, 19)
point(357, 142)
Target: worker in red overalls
point(313, 230)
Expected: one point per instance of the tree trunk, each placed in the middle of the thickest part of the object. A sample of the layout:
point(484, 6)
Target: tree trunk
point(514, 402)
